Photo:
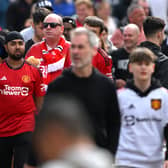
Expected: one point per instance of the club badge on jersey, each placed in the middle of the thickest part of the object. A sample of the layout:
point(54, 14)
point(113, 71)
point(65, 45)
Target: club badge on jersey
point(26, 78)
point(156, 104)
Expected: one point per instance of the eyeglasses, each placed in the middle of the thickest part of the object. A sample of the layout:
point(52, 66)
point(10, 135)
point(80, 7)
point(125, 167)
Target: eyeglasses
point(52, 25)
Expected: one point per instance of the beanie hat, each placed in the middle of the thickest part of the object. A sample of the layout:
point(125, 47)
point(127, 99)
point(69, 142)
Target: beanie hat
point(44, 4)
point(13, 35)
point(68, 19)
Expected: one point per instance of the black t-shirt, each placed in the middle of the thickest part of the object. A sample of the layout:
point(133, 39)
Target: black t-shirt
point(120, 64)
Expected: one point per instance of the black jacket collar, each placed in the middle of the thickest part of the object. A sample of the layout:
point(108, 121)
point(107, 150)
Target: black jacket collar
point(154, 85)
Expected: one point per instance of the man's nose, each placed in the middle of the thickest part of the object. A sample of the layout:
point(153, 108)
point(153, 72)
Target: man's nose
point(75, 49)
point(17, 45)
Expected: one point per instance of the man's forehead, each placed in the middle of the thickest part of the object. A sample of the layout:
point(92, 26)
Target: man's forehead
point(81, 38)
point(137, 11)
point(94, 29)
point(129, 30)
point(67, 25)
point(51, 19)
point(91, 27)
point(17, 40)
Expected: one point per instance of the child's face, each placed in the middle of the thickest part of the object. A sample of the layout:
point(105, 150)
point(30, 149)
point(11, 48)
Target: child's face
point(141, 71)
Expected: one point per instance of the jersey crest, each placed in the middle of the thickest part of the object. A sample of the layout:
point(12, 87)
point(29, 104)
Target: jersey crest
point(156, 104)
point(26, 78)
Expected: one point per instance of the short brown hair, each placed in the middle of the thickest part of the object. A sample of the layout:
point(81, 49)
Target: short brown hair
point(88, 3)
point(142, 54)
point(94, 21)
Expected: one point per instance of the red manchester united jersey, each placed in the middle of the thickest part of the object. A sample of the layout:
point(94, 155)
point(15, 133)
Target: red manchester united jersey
point(52, 61)
point(17, 107)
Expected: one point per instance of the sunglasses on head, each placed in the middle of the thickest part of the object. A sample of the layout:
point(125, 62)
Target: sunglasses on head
point(52, 25)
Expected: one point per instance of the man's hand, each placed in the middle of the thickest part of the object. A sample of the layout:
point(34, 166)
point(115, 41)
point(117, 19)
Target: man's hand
point(120, 83)
point(165, 164)
point(34, 61)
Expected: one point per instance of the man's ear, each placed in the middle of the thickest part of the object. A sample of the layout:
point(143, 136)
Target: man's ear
point(33, 25)
point(130, 67)
point(153, 67)
point(94, 51)
point(159, 34)
point(62, 29)
point(5, 47)
point(100, 35)
point(130, 19)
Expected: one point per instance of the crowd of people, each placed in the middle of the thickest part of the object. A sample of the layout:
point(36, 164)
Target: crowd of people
point(83, 84)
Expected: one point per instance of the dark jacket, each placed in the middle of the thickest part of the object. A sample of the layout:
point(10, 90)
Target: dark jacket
point(161, 68)
point(120, 59)
point(164, 46)
point(98, 95)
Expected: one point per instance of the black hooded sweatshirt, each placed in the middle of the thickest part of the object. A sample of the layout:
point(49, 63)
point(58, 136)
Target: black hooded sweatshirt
point(161, 69)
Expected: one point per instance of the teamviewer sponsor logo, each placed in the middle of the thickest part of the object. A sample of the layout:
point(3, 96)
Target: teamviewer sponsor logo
point(14, 91)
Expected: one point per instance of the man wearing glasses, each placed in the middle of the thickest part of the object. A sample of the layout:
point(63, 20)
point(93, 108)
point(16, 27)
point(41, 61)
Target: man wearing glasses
point(52, 54)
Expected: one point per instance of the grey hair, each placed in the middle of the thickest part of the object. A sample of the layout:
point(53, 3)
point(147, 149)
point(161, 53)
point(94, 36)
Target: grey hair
point(132, 7)
point(92, 37)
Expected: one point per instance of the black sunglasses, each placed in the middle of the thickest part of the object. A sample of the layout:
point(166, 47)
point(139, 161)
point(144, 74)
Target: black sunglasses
point(52, 25)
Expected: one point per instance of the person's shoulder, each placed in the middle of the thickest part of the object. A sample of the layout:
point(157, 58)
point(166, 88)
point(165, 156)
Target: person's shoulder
point(102, 79)
point(27, 33)
point(119, 51)
point(68, 43)
point(36, 46)
point(3, 63)
point(26, 30)
point(102, 56)
point(66, 46)
point(59, 82)
point(102, 53)
point(121, 90)
point(58, 85)
point(124, 92)
point(162, 90)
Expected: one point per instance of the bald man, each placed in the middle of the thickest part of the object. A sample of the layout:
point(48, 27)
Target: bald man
point(52, 54)
point(121, 56)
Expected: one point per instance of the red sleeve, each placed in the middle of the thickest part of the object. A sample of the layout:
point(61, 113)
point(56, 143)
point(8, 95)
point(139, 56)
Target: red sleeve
point(35, 51)
point(103, 63)
point(39, 87)
point(68, 57)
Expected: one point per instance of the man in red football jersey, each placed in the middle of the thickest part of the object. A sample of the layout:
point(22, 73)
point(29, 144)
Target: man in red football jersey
point(51, 55)
point(101, 60)
point(21, 96)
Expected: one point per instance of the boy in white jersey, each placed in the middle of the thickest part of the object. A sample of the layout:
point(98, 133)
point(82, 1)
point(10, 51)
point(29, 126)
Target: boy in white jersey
point(144, 110)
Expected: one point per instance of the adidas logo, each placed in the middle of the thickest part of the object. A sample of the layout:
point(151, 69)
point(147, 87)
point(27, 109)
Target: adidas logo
point(131, 106)
point(3, 78)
